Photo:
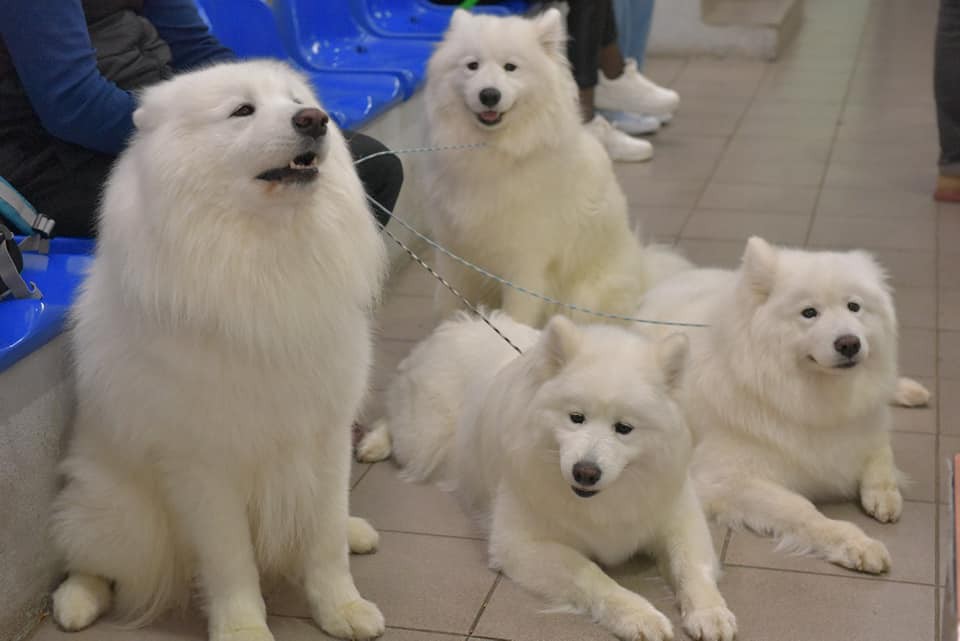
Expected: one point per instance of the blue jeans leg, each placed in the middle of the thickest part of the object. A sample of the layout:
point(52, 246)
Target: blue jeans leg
point(634, 18)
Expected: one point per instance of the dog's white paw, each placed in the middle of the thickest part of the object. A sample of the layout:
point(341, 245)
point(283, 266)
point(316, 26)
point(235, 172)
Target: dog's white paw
point(252, 633)
point(375, 444)
point(911, 393)
point(711, 624)
point(883, 504)
point(857, 551)
point(359, 620)
point(631, 618)
point(363, 539)
point(79, 601)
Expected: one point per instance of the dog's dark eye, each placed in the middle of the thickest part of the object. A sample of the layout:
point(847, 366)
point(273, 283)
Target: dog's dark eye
point(622, 428)
point(853, 307)
point(510, 66)
point(297, 101)
point(243, 110)
point(473, 66)
point(577, 417)
point(809, 312)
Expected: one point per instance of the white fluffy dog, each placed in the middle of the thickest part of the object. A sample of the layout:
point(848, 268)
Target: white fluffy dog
point(539, 204)
point(788, 394)
point(572, 453)
point(222, 347)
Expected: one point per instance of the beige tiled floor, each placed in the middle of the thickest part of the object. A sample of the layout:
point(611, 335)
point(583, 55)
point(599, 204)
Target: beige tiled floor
point(832, 146)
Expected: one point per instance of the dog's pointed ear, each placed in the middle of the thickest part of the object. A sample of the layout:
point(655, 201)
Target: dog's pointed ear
point(759, 267)
point(551, 31)
point(459, 18)
point(672, 354)
point(559, 342)
point(872, 266)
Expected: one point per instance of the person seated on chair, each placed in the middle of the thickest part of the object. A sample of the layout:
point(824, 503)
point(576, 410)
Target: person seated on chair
point(67, 73)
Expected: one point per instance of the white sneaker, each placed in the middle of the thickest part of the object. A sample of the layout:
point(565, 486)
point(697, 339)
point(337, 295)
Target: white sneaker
point(635, 93)
point(633, 124)
point(619, 145)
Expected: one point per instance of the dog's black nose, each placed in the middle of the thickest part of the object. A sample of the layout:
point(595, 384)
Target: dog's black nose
point(310, 122)
point(586, 473)
point(489, 96)
point(848, 345)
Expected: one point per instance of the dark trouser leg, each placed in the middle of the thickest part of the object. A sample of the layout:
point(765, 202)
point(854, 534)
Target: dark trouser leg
point(593, 31)
point(592, 27)
point(947, 86)
point(382, 176)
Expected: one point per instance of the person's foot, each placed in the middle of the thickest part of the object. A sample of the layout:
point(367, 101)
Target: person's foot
point(632, 92)
point(633, 124)
point(948, 189)
point(619, 145)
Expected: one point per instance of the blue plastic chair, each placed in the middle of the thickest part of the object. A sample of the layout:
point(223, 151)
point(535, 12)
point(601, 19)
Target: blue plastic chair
point(249, 28)
point(26, 325)
point(323, 34)
point(413, 18)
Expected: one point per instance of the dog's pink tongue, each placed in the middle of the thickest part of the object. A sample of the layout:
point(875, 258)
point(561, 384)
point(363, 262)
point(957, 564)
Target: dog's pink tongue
point(489, 116)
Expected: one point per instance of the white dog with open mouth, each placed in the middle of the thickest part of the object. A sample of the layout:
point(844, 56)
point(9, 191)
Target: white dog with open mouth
point(571, 454)
point(539, 204)
point(788, 394)
point(222, 347)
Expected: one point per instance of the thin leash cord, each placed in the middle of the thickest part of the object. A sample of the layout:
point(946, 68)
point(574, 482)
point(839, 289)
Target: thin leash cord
point(483, 271)
point(418, 150)
point(453, 289)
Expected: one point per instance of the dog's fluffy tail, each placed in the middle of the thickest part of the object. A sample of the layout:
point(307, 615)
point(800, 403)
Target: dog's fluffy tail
point(109, 525)
point(662, 262)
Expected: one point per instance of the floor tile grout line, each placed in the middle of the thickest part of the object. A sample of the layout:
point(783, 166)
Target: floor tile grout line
point(934, 433)
point(428, 630)
point(857, 577)
point(486, 601)
point(362, 476)
point(389, 627)
point(729, 139)
point(938, 464)
point(727, 537)
point(920, 501)
point(836, 129)
point(726, 145)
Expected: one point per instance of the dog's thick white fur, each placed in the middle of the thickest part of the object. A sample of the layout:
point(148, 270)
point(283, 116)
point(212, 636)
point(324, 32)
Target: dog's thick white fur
point(222, 343)
point(781, 415)
point(526, 440)
point(539, 204)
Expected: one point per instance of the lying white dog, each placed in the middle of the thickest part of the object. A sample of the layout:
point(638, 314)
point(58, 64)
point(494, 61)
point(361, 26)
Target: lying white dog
point(572, 453)
point(788, 394)
point(222, 347)
point(539, 204)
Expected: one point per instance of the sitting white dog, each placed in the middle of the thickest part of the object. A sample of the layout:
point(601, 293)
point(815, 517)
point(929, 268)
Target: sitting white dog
point(223, 341)
point(539, 203)
point(572, 454)
point(788, 394)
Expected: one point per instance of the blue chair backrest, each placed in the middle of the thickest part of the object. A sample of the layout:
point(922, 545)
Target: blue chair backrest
point(323, 22)
point(246, 26)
